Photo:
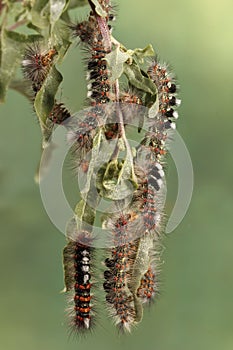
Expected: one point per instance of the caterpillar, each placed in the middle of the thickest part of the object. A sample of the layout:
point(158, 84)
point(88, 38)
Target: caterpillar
point(148, 290)
point(59, 114)
point(78, 258)
point(36, 65)
point(154, 142)
point(99, 88)
point(119, 298)
point(94, 34)
point(81, 133)
point(167, 113)
point(147, 198)
point(166, 93)
point(131, 278)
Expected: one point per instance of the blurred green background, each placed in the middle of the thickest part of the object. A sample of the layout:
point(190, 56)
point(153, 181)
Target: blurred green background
point(195, 310)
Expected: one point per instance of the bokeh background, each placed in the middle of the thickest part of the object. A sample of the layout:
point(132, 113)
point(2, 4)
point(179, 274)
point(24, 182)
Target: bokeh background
point(195, 309)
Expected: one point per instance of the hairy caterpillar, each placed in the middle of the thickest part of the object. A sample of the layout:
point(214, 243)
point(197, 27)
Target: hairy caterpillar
point(78, 259)
point(36, 65)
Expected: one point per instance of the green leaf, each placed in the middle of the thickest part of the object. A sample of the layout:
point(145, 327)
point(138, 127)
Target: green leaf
point(95, 152)
point(138, 309)
point(117, 187)
point(110, 181)
point(77, 3)
point(40, 14)
point(85, 209)
point(68, 266)
point(116, 179)
point(141, 262)
point(139, 267)
point(116, 60)
point(154, 109)
point(12, 47)
point(137, 79)
point(56, 9)
point(98, 8)
point(44, 100)
point(148, 51)
point(60, 38)
point(84, 214)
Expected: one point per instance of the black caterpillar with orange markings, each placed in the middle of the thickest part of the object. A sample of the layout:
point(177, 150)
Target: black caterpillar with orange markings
point(92, 34)
point(78, 256)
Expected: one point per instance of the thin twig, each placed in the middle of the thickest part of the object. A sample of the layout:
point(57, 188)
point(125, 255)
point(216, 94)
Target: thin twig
point(121, 123)
point(17, 24)
point(105, 32)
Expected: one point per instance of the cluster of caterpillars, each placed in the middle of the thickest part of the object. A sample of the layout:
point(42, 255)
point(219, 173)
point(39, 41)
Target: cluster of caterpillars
point(131, 277)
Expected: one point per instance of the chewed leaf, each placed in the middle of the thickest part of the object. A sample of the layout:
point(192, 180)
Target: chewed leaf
point(94, 158)
point(77, 3)
point(138, 269)
point(118, 180)
point(137, 79)
point(85, 209)
point(60, 38)
point(40, 14)
point(115, 186)
point(56, 9)
point(67, 264)
point(44, 100)
point(154, 109)
point(148, 51)
point(116, 60)
point(46, 13)
point(98, 8)
point(142, 261)
point(84, 214)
